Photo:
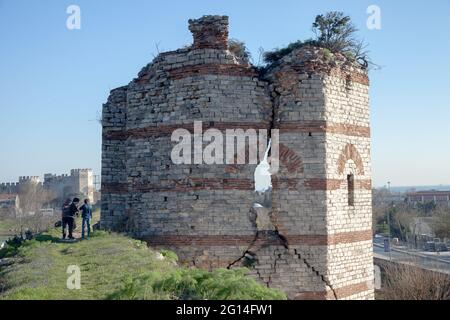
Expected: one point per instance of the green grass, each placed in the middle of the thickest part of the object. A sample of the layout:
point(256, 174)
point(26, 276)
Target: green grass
point(6, 228)
point(40, 270)
point(114, 266)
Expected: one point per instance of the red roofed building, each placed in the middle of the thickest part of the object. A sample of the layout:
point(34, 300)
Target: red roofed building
point(438, 197)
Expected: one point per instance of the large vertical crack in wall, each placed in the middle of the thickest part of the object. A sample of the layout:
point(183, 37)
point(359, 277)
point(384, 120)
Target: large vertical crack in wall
point(275, 230)
point(252, 255)
point(301, 257)
point(252, 243)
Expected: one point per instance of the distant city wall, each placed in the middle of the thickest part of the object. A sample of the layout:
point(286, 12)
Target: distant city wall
point(80, 181)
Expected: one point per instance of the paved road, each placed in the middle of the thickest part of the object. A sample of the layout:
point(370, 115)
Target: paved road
point(424, 259)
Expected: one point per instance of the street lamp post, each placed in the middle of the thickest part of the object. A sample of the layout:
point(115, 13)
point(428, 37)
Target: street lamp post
point(389, 222)
point(389, 233)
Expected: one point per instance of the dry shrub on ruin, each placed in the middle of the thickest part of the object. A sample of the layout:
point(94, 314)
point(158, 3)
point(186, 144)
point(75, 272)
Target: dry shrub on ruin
point(406, 282)
point(239, 49)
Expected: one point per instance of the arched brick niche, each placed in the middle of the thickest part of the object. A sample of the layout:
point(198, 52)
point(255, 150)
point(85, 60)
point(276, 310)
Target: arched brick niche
point(350, 153)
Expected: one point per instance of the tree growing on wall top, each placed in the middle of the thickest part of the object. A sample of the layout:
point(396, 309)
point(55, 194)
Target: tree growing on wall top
point(333, 31)
point(336, 32)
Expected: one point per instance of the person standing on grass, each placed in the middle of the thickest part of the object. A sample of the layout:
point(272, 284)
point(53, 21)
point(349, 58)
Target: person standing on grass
point(73, 212)
point(86, 215)
point(65, 217)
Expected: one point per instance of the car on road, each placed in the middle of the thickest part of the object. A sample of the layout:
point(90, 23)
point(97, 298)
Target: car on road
point(432, 246)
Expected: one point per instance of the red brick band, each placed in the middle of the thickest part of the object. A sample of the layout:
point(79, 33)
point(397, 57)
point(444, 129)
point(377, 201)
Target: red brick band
point(341, 292)
point(201, 69)
point(356, 77)
point(162, 129)
point(114, 188)
point(167, 129)
point(240, 240)
point(212, 69)
point(193, 184)
point(335, 184)
point(323, 126)
point(313, 67)
point(114, 135)
point(331, 239)
point(364, 184)
point(318, 184)
point(324, 184)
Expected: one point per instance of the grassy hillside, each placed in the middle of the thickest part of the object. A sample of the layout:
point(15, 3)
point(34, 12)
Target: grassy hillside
point(114, 266)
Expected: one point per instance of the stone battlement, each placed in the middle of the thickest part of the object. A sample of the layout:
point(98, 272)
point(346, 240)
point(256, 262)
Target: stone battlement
point(78, 182)
point(53, 177)
point(9, 184)
point(29, 179)
point(75, 172)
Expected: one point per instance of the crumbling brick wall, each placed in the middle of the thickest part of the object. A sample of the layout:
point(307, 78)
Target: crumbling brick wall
point(316, 245)
point(322, 112)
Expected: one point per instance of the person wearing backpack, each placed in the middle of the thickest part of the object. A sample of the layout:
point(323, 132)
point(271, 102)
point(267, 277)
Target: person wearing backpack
point(86, 215)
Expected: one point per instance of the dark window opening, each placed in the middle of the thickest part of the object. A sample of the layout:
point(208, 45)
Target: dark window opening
point(348, 83)
point(351, 189)
point(165, 199)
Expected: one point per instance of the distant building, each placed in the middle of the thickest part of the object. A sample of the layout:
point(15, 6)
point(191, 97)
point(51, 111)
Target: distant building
point(80, 181)
point(9, 203)
point(438, 197)
point(384, 197)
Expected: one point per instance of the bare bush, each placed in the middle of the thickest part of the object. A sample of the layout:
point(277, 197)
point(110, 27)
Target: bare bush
point(407, 282)
point(441, 223)
point(240, 51)
point(33, 197)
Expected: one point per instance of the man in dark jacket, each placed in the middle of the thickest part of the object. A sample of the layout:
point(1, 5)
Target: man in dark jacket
point(64, 215)
point(68, 219)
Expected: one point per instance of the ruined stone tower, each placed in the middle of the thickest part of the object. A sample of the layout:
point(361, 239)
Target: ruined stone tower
point(317, 243)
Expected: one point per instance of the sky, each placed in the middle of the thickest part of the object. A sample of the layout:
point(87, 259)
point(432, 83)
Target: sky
point(53, 80)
